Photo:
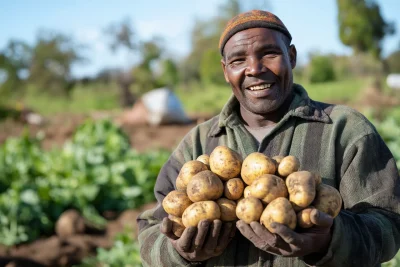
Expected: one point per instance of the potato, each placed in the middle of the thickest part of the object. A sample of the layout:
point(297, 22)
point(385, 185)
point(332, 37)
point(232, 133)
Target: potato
point(318, 178)
point(249, 209)
point(247, 191)
point(180, 185)
point(328, 200)
point(278, 159)
point(279, 210)
point(301, 187)
point(177, 225)
point(202, 210)
point(288, 165)
point(228, 209)
point(70, 223)
point(303, 218)
point(176, 202)
point(205, 159)
point(188, 170)
point(255, 165)
point(233, 189)
point(225, 162)
point(205, 185)
point(268, 187)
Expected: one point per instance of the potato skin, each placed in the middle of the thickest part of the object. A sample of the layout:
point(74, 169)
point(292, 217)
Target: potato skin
point(268, 187)
point(255, 165)
point(249, 209)
point(204, 159)
point(303, 218)
point(233, 188)
point(228, 209)
point(177, 225)
point(288, 165)
point(203, 186)
point(176, 202)
point(328, 200)
point(279, 210)
point(188, 170)
point(247, 191)
point(202, 210)
point(225, 162)
point(180, 185)
point(301, 187)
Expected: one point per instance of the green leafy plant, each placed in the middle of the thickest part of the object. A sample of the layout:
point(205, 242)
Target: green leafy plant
point(124, 252)
point(95, 172)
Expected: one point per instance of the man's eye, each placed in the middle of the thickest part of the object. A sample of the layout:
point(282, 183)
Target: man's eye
point(237, 62)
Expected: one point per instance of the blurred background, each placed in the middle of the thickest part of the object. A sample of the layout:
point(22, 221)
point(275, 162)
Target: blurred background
point(94, 96)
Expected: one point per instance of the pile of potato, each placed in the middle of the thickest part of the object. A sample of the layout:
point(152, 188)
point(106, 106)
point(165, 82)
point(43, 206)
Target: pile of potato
point(258, 188)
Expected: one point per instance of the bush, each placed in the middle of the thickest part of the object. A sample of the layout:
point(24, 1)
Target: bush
point(321, 69)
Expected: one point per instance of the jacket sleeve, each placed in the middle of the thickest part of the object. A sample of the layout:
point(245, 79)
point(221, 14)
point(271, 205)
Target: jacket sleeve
point(155, 248)
point(367, 231)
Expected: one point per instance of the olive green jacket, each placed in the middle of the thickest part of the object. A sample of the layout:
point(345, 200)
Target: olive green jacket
point(334, 140)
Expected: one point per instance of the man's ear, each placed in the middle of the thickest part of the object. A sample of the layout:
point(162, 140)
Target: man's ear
point(223, 65)
point(293, 56)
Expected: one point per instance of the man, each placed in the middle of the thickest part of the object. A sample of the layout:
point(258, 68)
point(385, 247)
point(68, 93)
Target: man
point(269, 114)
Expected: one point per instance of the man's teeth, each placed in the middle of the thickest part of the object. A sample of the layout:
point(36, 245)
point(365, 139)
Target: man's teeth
point(260, 87)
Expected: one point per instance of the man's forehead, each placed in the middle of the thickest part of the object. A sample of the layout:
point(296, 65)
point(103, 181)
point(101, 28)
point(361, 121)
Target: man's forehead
point(250, 36)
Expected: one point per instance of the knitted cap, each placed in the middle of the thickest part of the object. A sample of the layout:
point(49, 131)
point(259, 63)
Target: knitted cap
point(252, 19)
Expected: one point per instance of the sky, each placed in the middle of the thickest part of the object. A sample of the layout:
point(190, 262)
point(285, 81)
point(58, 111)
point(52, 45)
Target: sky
point(312, 24)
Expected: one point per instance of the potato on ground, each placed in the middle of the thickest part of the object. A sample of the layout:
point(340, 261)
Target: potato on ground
point(233, 188)
point(249, 209)
point(228, 209)
point(268, 187)
point(205, 185)
point(70, 223)
point(328, 200)
point(301, 187)
point(205, 159)
point(288, 165)
point(188, 170)
point(280, 211)
point(225, 162)
point(255, 165)
point(303, 218)
point(176, 202)
point(177, 225)
point(202, 210)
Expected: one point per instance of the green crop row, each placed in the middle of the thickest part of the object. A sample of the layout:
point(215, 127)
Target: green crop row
point(96, 171)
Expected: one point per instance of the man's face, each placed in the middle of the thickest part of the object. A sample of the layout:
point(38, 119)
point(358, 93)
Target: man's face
point(258, 65)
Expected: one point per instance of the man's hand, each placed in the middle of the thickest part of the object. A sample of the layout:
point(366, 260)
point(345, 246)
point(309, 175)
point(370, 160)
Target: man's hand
point(287, 242)
point(207, 240)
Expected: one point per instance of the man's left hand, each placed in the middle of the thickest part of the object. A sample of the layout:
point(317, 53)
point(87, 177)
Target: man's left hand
point(285, 241)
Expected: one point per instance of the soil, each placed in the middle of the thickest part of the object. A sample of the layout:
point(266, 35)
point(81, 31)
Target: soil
point(61, 250)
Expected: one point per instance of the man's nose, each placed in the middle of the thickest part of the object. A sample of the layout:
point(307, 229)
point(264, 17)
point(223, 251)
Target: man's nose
point(255, 67)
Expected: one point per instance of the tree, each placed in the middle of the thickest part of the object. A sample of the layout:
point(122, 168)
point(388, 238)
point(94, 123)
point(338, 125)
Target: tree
point(362, 27)
point(121, 36)
point(15, 59)
point(393, 62)
point(52, 58)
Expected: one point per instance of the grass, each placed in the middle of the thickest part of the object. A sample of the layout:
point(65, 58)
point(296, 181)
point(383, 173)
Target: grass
point(195, 98)
point(210, 99)
point(82, 100)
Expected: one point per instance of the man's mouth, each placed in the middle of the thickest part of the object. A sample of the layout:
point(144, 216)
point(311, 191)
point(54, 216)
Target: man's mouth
point(260, 87)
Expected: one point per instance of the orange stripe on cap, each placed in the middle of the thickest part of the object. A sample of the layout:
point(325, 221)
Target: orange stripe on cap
point(251, 19)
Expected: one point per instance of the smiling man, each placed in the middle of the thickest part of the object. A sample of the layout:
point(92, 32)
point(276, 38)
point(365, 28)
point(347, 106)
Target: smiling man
point(270, 114)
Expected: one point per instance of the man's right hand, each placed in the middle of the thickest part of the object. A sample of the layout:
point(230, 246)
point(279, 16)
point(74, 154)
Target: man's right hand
point(207, 240)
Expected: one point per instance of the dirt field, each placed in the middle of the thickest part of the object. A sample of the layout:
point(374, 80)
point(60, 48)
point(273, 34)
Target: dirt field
point(67, 251)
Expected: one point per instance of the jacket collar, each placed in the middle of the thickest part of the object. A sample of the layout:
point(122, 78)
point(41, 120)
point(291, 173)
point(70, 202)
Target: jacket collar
point(302, 107)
